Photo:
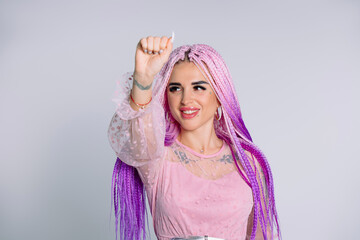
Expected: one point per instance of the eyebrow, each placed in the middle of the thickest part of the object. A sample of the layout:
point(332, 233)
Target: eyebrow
point(199, 82)
point(193, 83)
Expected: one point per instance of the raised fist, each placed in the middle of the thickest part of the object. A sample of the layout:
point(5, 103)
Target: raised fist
point(151, 54)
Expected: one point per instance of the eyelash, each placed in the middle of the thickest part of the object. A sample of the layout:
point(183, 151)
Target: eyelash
point(201, 87)
point(173, 89)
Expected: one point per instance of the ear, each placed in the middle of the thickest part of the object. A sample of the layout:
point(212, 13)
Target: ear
point(218, 103)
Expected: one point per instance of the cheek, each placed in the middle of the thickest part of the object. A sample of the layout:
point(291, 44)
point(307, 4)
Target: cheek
point(213, 97)
point(206, 98)
point(210, 102)
point(202, 96)
point(171, 99)
point(172, 102)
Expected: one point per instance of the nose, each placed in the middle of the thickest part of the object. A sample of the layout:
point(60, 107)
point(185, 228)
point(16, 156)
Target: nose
point(187, 97)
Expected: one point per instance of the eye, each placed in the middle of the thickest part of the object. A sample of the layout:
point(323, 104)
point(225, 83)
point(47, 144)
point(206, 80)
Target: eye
point(174, 89)
point(198, 87)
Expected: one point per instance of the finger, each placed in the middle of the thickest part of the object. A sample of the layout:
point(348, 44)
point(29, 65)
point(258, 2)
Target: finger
point(163, 43)
point(169, 46)
point(143, 43)
point(156, 45)
point(150, 42)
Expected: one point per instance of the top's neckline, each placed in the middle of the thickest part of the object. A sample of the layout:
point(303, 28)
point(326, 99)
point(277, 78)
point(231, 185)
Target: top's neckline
point(199, 154)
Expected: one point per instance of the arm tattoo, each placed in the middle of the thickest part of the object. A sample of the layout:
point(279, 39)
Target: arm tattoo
point(141, 86)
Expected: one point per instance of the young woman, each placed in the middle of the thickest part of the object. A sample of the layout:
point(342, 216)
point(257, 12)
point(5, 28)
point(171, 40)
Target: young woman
point(179, 136)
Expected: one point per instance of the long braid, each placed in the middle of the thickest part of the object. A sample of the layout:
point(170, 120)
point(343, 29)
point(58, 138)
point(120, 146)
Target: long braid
point(252, 178)
point(128, 195)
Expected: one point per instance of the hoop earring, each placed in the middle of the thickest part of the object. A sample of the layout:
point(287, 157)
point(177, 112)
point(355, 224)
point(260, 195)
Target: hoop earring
point(218, 113)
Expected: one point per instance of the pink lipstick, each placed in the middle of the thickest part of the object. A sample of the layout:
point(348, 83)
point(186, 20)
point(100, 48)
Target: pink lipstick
point(189, 112)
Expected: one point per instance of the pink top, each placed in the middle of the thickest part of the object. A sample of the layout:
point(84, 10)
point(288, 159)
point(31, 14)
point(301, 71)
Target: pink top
point(190, 194)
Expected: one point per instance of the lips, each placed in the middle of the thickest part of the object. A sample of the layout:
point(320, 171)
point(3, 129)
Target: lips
point(189, 112)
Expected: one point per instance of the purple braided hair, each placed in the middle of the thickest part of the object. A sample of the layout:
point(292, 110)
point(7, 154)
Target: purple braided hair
point(126, 183)
point(128, 194)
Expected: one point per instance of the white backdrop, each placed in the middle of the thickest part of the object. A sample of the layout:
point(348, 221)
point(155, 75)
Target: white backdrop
point(296, 66)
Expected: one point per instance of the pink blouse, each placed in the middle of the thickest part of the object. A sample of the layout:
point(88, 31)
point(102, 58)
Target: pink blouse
point(189, 194)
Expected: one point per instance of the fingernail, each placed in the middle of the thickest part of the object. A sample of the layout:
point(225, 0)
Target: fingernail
point(145, 50)
point(150, 52)
point(161, 51)
point(172, 36)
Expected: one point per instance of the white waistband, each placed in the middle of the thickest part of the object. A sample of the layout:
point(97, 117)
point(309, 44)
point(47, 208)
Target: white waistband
point(198, 238)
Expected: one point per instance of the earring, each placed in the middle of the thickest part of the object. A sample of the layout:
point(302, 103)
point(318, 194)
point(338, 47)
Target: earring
point(218, 113)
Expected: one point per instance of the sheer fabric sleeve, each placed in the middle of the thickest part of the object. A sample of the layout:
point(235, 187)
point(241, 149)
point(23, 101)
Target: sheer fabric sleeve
point(137, 137)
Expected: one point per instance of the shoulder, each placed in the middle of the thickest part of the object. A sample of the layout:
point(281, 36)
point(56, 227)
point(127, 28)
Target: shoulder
point(252, 159)
point(249, 154)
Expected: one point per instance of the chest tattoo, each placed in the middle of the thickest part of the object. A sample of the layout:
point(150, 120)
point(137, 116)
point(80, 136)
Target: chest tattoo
point(227, 158)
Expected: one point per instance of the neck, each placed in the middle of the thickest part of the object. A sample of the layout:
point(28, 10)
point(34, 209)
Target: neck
point(202, 140)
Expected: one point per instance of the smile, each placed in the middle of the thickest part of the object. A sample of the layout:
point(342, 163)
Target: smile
point(187, 114)
point(189, 111)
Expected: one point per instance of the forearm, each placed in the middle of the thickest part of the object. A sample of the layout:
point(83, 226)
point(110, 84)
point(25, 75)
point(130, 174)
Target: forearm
point(141, 91)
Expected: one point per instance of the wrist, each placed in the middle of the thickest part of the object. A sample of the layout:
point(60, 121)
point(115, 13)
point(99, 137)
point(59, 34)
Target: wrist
point(140, 105)
point(143, 79)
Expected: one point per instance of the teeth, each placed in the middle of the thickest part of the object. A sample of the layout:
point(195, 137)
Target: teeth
point(189, 112)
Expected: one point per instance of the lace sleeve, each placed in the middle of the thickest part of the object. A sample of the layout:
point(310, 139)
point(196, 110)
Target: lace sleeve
point(137, 137)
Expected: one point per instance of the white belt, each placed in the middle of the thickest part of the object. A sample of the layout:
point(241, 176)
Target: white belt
point(198, 238)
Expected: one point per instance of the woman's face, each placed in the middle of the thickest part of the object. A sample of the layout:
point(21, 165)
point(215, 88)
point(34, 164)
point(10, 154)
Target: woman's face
point(192, 101)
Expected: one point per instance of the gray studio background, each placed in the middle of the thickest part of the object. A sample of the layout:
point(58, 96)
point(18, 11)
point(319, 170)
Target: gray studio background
point(296, 69)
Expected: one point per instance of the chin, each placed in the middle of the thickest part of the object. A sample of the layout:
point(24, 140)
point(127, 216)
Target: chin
point(189, 126)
